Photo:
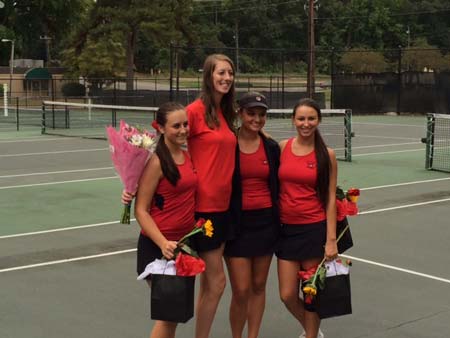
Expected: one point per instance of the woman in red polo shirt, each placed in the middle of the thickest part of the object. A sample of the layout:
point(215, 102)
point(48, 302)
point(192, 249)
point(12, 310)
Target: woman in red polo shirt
point(165, 200)
point(212, 145)
point(254, 206)
point(307, 174)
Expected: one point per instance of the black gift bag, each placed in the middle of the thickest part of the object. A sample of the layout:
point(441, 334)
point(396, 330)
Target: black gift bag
point(346, 242)
point(335, 298)
point(172, 298)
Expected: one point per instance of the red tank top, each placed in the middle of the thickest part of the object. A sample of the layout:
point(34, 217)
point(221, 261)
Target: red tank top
point(255, 179)
point(173, 207)
point(213, 155)
point(299, 203)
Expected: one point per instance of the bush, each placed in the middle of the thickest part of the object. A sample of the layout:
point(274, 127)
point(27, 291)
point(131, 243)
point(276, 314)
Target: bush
point(363, 61)
point(73, 89)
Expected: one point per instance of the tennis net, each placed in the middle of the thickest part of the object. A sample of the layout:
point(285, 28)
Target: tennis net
point(89, 120)
point(437, 155)
point(19, 117)
point(335, 128)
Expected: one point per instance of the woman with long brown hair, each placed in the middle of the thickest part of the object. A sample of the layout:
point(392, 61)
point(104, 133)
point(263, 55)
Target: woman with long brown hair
point(308, 175)
point(212, 144)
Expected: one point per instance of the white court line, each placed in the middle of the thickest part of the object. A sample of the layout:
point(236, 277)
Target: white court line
point(388, 137)
point(61, 229)
point(55, 152)
point(386, 145)
point(405, 183)
point(402, 206)
point(389, 124)
point(68, 260)
point(133, 219)
point(396, 269)
point(388, 152)
point(32, 139)
point(61, 182)
point(57, 172)
point(23, 267)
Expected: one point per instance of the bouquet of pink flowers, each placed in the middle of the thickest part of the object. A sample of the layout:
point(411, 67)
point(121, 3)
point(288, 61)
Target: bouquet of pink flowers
point(130, 148)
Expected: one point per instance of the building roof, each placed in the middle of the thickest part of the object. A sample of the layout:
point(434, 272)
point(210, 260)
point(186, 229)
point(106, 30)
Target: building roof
point(38, 74)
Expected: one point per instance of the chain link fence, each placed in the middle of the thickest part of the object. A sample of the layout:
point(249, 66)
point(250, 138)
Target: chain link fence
point(408, 80)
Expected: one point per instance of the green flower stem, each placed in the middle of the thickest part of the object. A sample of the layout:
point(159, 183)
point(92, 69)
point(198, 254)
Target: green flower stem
point(317, 272)
point(192, 233)
point(342, 233)
point(323, 260)
point(125, 219)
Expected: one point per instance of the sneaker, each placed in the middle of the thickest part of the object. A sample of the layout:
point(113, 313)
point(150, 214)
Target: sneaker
point(319, 335)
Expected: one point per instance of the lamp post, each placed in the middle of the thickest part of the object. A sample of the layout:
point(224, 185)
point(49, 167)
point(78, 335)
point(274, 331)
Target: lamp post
point(11, 65)
point(310, 7)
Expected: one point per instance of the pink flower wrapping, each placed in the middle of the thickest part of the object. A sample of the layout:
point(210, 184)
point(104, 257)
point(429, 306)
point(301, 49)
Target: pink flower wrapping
point(129, 153)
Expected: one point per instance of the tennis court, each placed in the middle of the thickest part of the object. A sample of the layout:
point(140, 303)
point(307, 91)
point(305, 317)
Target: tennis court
point(67, 268)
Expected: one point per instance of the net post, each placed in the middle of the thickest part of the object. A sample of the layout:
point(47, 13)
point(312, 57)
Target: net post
point(429, 144)
point(53, 116)
point(348, 135)
point(17, 113)
point(43, 119)
point(66, 115)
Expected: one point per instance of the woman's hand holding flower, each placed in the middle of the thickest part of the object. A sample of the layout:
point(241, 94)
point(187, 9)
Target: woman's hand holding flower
point(168, 249)
point(127, 197)
point(331, 250)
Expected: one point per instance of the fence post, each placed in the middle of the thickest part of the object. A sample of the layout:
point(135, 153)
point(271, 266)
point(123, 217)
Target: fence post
point(399, 79)
point(332, 78)
point(270, 90)
point(282, 81)
point(177, 63)
point(171, 72)
point(17, 113)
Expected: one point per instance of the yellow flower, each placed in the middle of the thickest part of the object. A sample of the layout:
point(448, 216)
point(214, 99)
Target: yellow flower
point(208, 227)
point(309, 290)
point(353, 199)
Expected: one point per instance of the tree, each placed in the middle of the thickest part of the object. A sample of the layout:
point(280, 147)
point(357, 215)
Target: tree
point(363, 61)
point(160, 21)
point(31, 19)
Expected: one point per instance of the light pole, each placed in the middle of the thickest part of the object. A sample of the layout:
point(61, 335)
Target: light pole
point(11, 65)
point(47, 48)
point(310, 83)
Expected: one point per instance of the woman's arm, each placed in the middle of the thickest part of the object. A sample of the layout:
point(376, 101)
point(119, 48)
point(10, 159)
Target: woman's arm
point(146, 189)
point(331, 250)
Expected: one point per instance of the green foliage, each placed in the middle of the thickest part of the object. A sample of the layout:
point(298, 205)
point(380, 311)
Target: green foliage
point(98, 59)
point(32, 19)
point(363, 61)
point(73, 89)
point(423, 56)
point(139, 32)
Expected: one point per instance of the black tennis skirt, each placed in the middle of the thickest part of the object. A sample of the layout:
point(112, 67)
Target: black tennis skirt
point(302, 241)
point(306, 241)
point(257, 235)
point(147, 252)
point(223, 231)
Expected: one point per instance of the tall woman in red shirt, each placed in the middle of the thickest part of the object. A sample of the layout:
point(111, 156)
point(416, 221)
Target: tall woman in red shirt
point(307, 174)
point(212, 144)
point(166, 197)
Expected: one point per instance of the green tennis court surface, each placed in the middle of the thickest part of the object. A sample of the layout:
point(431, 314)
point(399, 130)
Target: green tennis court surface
point(67, 268)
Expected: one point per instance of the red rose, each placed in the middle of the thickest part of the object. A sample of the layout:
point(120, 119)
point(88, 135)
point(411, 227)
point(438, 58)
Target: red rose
point(187, 265)
point(200, 223)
